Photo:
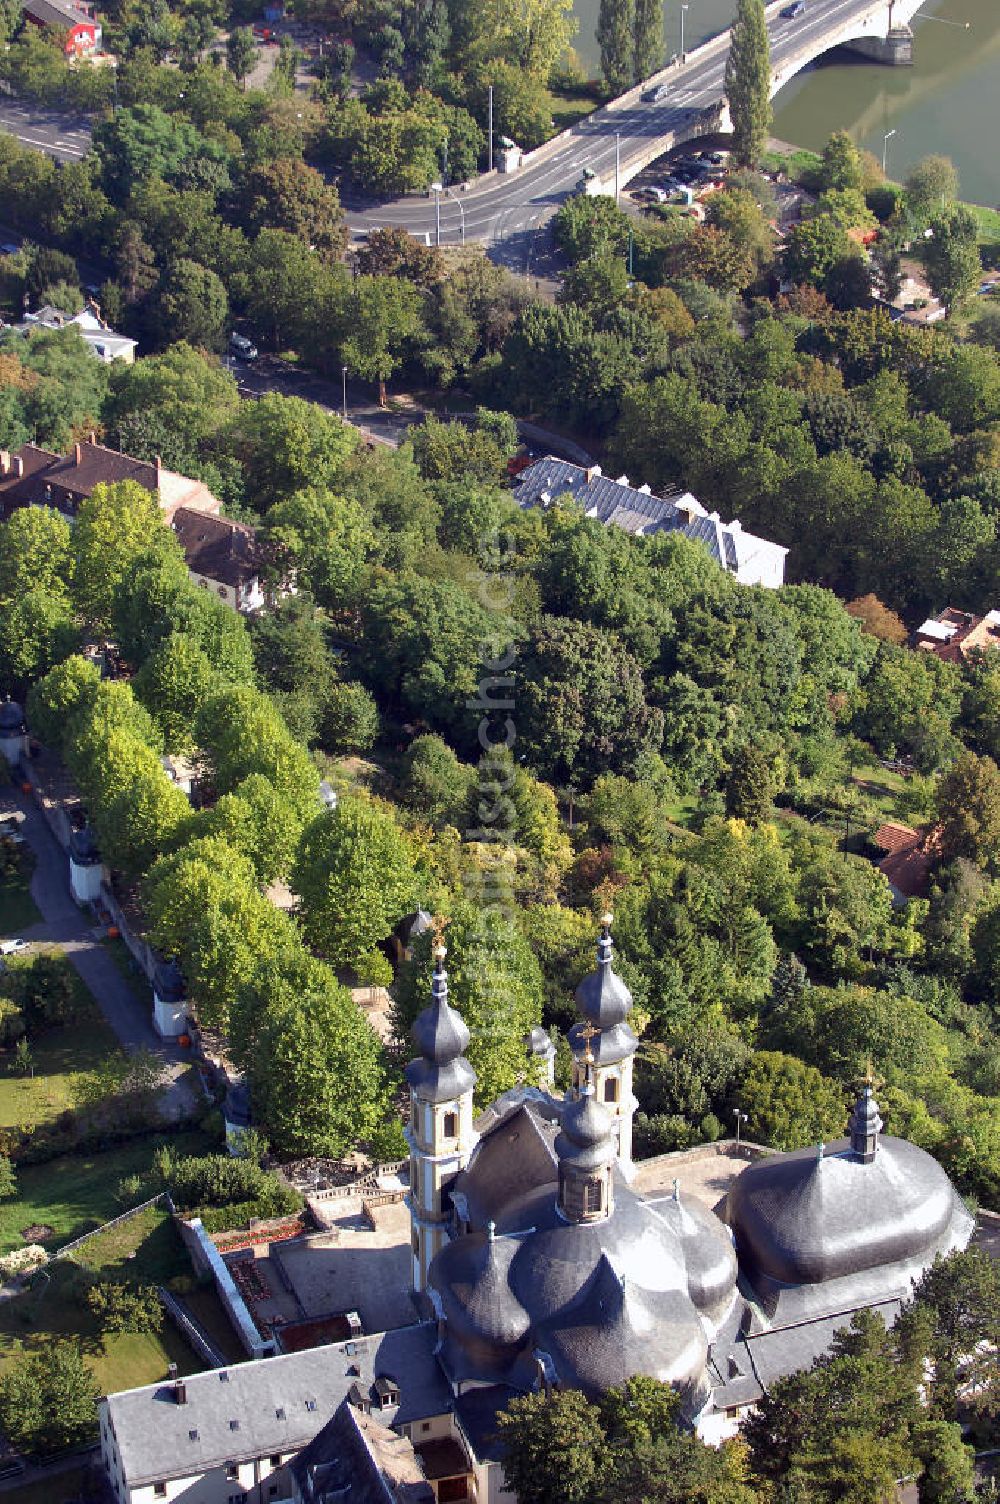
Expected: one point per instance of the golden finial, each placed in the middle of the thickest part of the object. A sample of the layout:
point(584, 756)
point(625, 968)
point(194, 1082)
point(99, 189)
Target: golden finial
point(870, 1079)
point(438, 925)
point(587, 1033)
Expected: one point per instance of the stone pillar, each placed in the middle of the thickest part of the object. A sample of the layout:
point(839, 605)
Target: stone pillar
point(895, 50)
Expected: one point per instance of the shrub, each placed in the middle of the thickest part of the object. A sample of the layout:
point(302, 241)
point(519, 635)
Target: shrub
point(126, 1308)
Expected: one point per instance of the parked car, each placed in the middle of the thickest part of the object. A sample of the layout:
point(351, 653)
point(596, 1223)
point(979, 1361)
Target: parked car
point(659, 195)
point(12, 947)
point(245, 348)
point(792, 12)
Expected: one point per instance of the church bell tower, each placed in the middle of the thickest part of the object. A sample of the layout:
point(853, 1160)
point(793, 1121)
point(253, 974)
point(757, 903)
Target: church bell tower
point(604, 1003)
point(440, 1132)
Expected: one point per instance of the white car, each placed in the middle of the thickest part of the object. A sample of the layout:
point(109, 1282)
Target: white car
point(12, 947)
point(240, 345)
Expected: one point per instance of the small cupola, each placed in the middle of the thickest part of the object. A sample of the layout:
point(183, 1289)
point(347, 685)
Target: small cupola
point(866, 1125)
point(587, 1152)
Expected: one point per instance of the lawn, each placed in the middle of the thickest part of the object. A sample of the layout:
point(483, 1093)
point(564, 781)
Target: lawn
point(17, 907)
point(77, 1192)
point(569, 107)
point(55, 1307)
point(145, 1250)
point(885, 791)
point(61, 1059)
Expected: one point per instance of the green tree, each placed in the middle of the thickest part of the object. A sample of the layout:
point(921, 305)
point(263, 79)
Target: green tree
point(790, 1104)
point(35, 552)
point(177, 400)
point(951, 256)
point(192, 305)
point(930, 187)
point(436, 784)
point(172, 683)
point(325, 540)
point(314, 1067)
point(968, 801)
point(54, 702)
point(355, 876)
point(841, 165)
point(748, 82)
point(386, 315)
point(114, 526)
point(616, 39)
point(554, 1449)
point(350, 720)
point(49, 1398)
point(286, 445)
point(241, 53)
point(37, 629)
point(583, 708)
point(648, 34)
point(286, 194)
point(243, 733)
point(750, 785)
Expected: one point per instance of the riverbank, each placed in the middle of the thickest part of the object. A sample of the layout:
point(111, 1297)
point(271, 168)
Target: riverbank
point(800, 164)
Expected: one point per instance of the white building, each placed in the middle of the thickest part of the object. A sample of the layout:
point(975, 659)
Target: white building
point(749, 559)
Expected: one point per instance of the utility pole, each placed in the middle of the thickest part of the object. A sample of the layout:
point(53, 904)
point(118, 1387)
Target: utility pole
point(490, 169)
point(740, 1117)
point(683, 13)
point(343, 372)
point(618, 162)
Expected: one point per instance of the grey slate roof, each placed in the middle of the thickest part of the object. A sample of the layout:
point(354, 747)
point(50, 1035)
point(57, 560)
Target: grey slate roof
point(280, 1403)
point(817, 1235)
point(631, 1293)
point(442, 1072)
point(356, 1460)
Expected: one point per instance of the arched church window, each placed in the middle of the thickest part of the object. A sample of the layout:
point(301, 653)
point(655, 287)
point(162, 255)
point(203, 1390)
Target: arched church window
point(451, 1125)
point(611, 1089)
point(593, 1195)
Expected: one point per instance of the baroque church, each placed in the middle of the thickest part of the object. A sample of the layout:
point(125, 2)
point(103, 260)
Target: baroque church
point(544, 1266)
point(536, 1261)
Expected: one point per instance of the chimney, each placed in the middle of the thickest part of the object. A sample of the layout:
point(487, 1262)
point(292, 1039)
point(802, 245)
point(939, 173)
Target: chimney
point(78, 453)
point(159, 466)
point(179, 1386)
point(5, 465)
point(93, 435)
point(18, 466)
point(592, 472)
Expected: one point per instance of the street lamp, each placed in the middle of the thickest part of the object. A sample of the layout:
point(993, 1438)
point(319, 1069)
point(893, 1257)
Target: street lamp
point(683, 12)
point(343, 372)
point(437, 190)
point(618, 161)
point(740, 1117)
point(885, 148)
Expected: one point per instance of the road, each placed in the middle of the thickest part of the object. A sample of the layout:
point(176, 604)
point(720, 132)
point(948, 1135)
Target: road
point(506, 211)
point(65, 137)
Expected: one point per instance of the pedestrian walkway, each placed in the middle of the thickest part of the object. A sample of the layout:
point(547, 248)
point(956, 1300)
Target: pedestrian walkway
point(64, 924)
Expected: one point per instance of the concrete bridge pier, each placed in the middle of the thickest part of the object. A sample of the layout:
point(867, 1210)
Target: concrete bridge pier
point(895, 50)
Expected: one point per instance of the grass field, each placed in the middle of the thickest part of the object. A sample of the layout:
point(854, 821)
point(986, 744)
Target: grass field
point(77, 1192)
point(568, 108)
point(144, 1250)
point(61, 1059)
point(17, 907)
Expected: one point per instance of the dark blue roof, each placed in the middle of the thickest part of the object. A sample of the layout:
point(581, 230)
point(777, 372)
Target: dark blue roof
point(637, 511)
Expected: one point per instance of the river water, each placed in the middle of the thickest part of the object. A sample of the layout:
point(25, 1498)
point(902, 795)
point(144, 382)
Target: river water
point(948, 102)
